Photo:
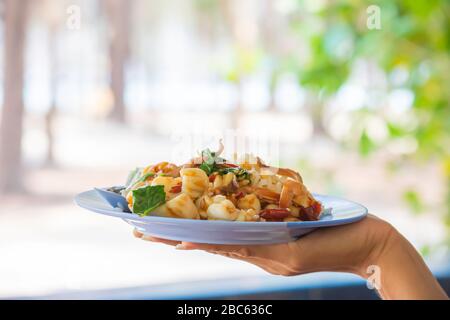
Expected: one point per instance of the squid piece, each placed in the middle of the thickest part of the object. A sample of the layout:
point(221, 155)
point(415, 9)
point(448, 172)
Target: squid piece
point(247, 215)
point(194, 182)
point(223, 181)
point(202, 204)
point(182, 206)
point(169, 183)
point(222, 209)
point(226, 183)
point(250, 201)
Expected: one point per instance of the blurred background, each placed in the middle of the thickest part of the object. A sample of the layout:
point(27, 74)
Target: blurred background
point(357, 91)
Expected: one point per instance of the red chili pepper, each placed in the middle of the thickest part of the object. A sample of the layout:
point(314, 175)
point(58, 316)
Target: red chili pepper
point(317, 208)
point(274, 214)
point(176, 189)
point(239, 195)
point(230, 165)
point(310, 213)
point(212, 177)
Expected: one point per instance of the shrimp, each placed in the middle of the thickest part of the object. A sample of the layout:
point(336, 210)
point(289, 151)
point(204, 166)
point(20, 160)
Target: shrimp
point(291, 189)
point(267, 195)
point(280, 171)
point(167, 168)
point(289, 173)
point(294, 191)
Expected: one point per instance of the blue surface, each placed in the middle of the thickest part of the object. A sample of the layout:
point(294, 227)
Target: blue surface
point(220, 288)
point(228, 232)
point(324, 285)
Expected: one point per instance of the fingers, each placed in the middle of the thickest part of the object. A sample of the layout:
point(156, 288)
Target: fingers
point(271, 252)
point(270, 266)
point(173, 243)
point(271, 257)
point(211, 247)
point(142, 236)
point(243, 251)
point(261, 256)
point(137, 234)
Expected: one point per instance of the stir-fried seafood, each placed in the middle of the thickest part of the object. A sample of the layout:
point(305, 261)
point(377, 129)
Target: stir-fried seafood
point(211, 188)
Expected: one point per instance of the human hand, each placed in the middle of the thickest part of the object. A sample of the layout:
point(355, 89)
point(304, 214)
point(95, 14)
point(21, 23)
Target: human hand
point(347, 248)
point(341, 248)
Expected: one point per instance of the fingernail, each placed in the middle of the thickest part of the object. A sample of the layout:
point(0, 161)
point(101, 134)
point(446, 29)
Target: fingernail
point(180, 246)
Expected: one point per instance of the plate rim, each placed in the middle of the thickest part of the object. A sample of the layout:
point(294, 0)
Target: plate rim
point(290, 224)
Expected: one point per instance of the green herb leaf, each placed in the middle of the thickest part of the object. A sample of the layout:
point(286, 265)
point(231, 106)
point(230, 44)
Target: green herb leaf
point(207, 168)
point(210, 161)
point(147, 199)
point(145, 177)
point(209, 157)
point(240, 173)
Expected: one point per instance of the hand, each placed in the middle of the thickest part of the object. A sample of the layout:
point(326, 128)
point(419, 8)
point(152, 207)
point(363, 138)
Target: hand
point(348, 248)
point(342, 248)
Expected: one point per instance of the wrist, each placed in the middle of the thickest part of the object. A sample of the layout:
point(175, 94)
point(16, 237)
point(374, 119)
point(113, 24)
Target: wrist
point(382, 240)
point(397, 270)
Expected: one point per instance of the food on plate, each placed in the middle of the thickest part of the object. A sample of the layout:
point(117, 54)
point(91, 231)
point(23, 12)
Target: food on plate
point(211, 188)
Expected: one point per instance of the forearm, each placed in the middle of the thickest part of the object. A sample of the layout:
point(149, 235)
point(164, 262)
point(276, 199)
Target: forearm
point(403, 273)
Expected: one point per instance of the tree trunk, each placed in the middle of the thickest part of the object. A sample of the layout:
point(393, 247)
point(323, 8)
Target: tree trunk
point(50, 115)
point(316, 109)
point(12, 113)
point(118, 12)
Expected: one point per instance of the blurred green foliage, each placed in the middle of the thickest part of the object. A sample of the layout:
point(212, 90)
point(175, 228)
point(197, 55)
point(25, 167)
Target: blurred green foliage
point(414, 37)
point(414, 201)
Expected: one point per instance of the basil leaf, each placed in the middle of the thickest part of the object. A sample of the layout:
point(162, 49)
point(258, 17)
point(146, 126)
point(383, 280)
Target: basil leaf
point(147, 199)
point(207, 168)
point(240, 173)
point(208, 157)
point(210, 161)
